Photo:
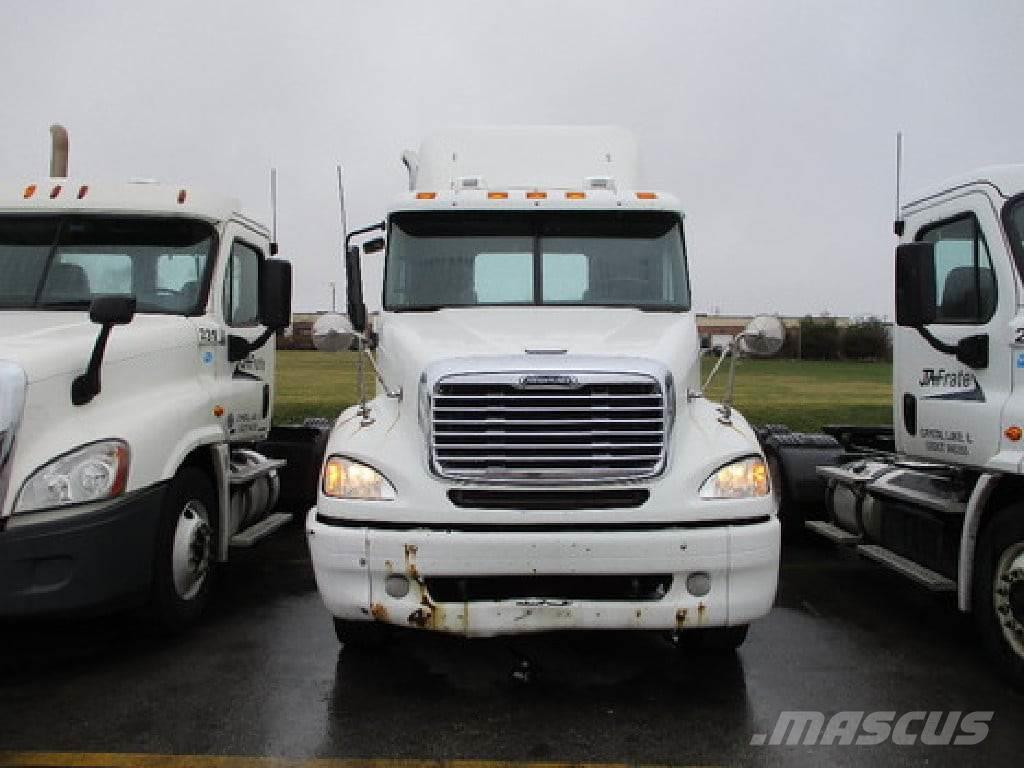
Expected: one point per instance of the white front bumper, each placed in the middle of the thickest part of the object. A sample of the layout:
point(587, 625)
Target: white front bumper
point(352, 563)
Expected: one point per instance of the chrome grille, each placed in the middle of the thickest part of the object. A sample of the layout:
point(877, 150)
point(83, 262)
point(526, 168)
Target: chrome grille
point(548, 427)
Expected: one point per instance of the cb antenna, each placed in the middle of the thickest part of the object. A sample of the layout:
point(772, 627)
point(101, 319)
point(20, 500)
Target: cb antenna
point(341, 207)
point(273, 212)
point(897, 223)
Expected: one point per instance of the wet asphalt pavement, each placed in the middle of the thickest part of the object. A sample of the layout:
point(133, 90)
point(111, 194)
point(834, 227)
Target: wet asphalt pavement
point(264, 675)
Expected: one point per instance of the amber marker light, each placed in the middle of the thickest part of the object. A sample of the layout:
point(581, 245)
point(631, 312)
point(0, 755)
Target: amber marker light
point(497, 195)
point(426, 195)
point(536, 195)
point(646, 196)
point(55, 191)
point(575, 195)
point(1014, 433)
point(182, 196)
point(83, 191)
point(29, 191)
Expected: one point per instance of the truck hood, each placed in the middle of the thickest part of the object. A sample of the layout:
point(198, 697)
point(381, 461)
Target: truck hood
point(52, 343)
point(411, 341)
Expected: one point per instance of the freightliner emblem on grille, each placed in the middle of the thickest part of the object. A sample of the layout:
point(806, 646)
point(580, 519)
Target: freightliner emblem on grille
point(548, 381)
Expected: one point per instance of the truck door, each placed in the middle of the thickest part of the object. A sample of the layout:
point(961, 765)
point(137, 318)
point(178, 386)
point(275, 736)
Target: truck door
point(946, 410)
point(249, 382)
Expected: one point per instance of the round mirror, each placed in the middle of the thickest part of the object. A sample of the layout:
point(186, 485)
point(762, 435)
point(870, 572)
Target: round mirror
point(333, 332)
point(763, 336)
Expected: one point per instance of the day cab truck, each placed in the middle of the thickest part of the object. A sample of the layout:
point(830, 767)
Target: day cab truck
point(939, 497)
point(136, 378)
point(538, 453)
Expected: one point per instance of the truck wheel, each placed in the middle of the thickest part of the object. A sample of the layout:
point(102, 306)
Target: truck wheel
point(713, 640)
point(999, 591)
point(184, 549)
point(363, 636)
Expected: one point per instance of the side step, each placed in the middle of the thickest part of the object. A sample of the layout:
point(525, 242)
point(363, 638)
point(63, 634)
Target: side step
point(926, 577)
point(260, 530)
point(833, 533)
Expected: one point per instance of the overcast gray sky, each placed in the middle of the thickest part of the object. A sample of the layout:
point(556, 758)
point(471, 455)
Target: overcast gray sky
point(774, 122)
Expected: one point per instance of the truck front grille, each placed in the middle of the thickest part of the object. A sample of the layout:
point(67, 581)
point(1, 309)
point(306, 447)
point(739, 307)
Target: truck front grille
point(579, 427)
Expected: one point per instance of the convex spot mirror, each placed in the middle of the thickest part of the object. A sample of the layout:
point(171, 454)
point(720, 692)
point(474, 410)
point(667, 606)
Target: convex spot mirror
point(762, 337)
point(112, 310)
point(333, 332)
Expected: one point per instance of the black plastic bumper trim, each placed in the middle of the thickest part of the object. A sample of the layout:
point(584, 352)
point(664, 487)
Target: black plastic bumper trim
point(82, 563)
point(392, 525)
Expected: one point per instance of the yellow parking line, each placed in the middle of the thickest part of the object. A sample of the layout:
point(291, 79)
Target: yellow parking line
point(144, 760)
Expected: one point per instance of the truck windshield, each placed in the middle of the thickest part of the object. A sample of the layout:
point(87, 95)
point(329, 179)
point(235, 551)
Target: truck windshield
point(480, 258)
point(62, 262)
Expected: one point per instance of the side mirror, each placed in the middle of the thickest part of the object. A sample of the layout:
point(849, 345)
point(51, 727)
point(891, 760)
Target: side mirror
point(915, 285)
point(374, 246)
point(112, 310)
point(276, 294)
point(354, 289)
point(105, 311)
point(333, 333)
point(762, 337)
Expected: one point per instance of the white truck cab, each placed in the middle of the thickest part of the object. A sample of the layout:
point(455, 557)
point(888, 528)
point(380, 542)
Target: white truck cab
point(136, 365)
point(940, 499)
point(538, 454)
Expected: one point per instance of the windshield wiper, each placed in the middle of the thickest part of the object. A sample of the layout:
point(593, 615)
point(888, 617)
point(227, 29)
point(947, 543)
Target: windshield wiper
point(72, 304)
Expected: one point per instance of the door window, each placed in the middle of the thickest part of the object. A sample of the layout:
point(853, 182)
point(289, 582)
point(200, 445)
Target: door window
point(965, 285)
point(242, 286)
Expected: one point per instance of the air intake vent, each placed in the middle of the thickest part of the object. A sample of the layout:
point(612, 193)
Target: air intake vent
point(562, 427)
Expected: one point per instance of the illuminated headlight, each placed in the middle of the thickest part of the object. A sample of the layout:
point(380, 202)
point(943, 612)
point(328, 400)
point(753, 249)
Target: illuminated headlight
point(740, 480)
point(347, 479)
point(93, 472)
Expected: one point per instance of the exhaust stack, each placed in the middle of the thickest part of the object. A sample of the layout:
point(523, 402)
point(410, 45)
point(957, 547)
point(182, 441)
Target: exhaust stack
point(58, 152)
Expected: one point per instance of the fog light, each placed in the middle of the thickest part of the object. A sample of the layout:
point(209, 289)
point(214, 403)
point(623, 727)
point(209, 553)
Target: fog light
point(698, 584)
point(396, 586)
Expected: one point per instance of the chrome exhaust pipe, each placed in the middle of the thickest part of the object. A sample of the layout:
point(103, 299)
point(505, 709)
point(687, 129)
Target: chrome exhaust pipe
point(58, 152)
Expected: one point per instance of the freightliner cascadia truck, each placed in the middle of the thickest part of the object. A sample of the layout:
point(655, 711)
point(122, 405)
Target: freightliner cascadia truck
point(939, 496)
point(538, 453)
point(136, 379)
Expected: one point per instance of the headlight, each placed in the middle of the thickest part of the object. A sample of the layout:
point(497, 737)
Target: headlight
point(740, 480)
point(347, 479)
point(91, 473)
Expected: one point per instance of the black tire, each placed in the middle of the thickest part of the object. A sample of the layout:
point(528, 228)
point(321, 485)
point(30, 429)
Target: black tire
point(189, 492)
point(791, 515)
point(713, 640)
point(363, 636)
point(1000, 538)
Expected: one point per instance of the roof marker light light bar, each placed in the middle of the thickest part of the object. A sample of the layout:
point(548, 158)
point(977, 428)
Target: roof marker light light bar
point(29, 191)
point(426, 195)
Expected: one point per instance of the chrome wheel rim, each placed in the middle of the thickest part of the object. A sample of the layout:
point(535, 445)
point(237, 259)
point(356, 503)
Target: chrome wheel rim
point(1008, 596)
point(190, 556)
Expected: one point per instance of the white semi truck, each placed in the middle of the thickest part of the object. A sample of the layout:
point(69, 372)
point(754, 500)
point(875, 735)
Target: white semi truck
point(136, 379)
point(538, 454)
point(940, 497)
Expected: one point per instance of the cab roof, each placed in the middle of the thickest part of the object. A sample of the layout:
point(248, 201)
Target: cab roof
point(1007, 180)
point(134, 197)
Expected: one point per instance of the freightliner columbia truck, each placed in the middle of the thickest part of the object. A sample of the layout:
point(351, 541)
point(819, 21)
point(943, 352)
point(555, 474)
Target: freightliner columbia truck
point(538, 453)
point(939, 497)
point(136, 379)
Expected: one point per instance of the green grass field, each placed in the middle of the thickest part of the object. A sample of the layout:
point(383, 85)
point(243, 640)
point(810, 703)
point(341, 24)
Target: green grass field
point(801, 393)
